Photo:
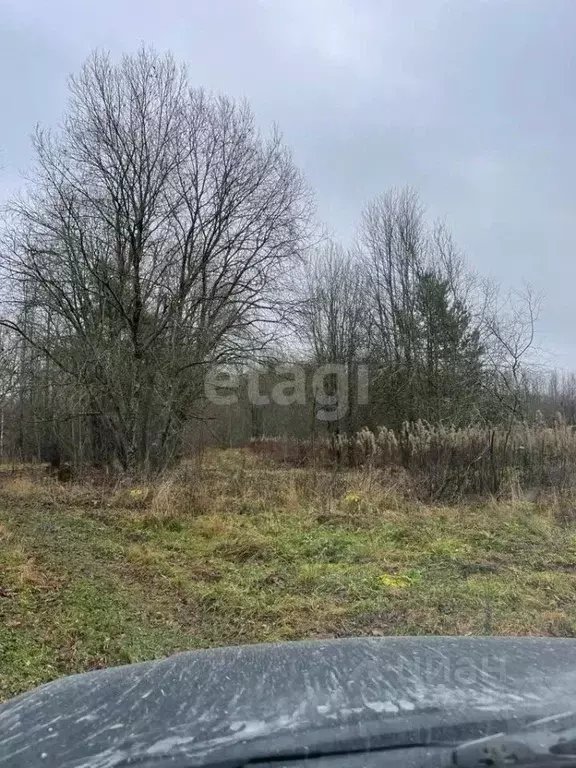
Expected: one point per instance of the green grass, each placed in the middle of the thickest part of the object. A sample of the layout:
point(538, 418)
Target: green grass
point(248, 553)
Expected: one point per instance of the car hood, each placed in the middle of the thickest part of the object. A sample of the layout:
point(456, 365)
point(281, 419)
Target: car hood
point(201, 703)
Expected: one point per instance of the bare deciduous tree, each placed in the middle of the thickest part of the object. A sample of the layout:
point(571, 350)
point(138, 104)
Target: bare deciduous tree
point(508, 330)
point(332, 321)
point(148, 246)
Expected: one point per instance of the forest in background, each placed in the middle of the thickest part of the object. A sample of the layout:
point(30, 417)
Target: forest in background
point(160, 237)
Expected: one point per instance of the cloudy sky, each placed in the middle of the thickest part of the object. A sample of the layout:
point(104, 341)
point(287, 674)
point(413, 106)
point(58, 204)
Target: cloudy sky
point(470, 101)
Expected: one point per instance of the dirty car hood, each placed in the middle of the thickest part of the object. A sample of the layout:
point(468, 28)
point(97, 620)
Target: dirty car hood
point(202, 703)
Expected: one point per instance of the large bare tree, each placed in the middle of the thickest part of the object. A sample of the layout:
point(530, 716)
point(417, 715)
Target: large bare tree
point(147, 247)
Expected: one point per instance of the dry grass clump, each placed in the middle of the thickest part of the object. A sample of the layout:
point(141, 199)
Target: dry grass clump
point(437, 461)
point(291, 451)
point(179, 493)
point(34, 486)
point(31, 573)
point(4, 533)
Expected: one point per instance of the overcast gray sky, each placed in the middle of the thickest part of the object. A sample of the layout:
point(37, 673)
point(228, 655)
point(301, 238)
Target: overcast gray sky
point(470, 101)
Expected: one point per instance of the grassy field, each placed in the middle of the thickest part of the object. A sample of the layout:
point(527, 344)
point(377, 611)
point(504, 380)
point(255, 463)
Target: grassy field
point(242, 551)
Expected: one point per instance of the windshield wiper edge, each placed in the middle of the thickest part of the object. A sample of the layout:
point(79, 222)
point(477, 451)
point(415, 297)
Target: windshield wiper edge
point(548, 741)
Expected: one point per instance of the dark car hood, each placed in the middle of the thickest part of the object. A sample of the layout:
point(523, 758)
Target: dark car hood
point(200, 702)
